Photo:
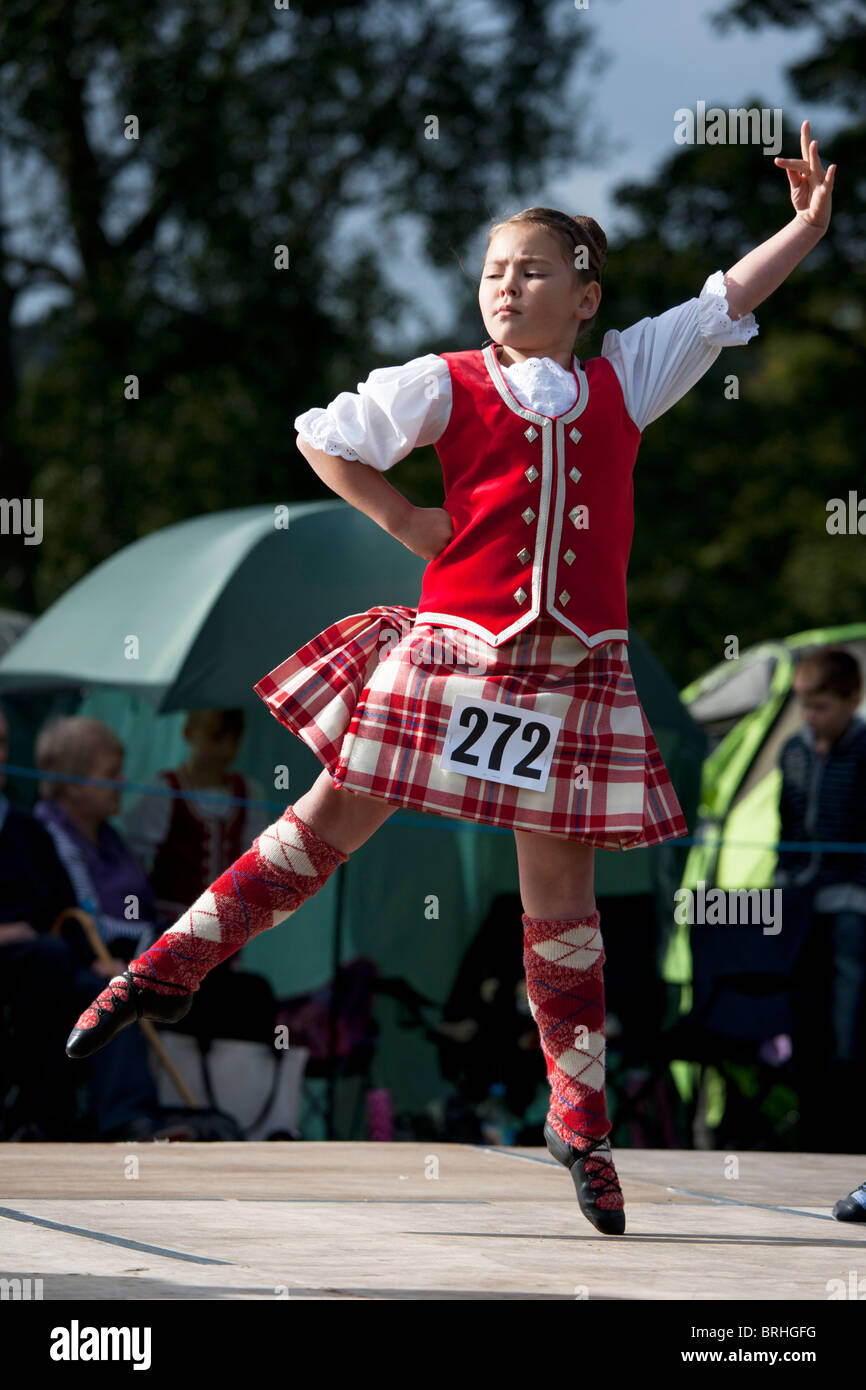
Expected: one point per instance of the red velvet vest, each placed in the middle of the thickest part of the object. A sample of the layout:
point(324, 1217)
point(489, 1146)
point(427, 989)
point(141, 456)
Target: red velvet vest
point(542, 507)
point(195, 851)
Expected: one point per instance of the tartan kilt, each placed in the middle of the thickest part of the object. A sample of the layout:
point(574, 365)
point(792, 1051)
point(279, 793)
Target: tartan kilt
point(371, 695)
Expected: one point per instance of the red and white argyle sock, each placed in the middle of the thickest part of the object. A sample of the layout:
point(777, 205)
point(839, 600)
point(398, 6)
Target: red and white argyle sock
point(287, 864)
point(283, 867)
point(563, 960)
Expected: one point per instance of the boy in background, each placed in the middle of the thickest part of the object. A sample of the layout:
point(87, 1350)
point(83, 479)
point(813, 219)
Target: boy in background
point(823, 798)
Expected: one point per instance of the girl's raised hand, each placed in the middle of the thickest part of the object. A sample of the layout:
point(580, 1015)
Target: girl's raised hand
point(811, 185)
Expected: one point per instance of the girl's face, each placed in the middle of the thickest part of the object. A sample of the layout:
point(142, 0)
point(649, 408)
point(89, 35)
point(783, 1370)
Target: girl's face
point(525, 270)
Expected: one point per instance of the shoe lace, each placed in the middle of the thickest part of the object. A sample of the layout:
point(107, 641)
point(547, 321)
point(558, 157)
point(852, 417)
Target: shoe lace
point(602, 1176)
point(155, 980)
point(106, 1006)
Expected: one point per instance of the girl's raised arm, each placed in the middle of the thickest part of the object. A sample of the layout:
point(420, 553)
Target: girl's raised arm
point(755, 277)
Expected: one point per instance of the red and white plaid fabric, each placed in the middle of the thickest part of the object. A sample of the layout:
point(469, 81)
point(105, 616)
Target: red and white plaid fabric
point(372, 696)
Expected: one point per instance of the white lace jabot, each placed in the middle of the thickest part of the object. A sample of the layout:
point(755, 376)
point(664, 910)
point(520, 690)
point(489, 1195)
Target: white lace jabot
point(541, 384)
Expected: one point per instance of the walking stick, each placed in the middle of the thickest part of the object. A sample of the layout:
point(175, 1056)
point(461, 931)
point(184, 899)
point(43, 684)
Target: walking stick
point(100, 949)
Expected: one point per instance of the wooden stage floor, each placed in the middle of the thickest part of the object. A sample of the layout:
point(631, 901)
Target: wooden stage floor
point(417, 1221)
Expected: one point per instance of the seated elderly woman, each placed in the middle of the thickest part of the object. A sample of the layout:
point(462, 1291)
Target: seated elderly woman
point(39, 1096)
point(108, 882)
point(102, 868)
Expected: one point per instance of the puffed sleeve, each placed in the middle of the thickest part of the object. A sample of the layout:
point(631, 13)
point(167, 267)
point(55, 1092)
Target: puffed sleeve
point(397, 409)
point(658, 360)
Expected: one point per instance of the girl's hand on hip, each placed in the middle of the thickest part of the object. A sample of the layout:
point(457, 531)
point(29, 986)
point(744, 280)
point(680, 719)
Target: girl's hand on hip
point(428, 531)
point(811, 184)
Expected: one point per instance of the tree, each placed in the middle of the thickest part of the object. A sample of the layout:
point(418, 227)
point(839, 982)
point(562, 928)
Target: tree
point(731, 493)
point(166, 162)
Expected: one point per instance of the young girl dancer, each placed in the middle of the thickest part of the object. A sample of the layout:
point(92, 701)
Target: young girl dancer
point(508, 699)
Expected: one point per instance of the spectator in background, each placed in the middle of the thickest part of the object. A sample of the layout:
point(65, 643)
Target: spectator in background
point(823, 798)
point(487, 1035)
point(183, 842)
point(103, 870)
point(107, 882)
point(34, 888)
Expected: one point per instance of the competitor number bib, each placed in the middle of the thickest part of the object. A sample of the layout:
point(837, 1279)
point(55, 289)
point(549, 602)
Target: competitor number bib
point(501, 743)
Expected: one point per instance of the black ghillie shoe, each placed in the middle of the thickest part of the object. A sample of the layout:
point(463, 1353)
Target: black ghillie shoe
point(852, 1207)
point(593, 1174)
point(121, 1003)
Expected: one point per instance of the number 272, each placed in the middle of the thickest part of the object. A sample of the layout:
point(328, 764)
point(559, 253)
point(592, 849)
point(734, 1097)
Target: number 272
point(532, 729)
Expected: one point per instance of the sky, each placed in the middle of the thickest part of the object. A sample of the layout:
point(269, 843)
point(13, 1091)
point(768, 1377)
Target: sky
point(665, 54)
point(661, 55)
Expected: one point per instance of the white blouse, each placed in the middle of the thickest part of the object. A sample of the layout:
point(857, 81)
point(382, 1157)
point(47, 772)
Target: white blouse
point(657, 360)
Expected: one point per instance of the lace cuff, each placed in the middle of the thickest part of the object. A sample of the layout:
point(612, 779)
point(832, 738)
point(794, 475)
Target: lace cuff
point(715, 324)
point(315, 426)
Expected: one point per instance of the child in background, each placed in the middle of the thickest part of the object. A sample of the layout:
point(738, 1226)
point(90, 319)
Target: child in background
point(823, 798)
point(183, 841)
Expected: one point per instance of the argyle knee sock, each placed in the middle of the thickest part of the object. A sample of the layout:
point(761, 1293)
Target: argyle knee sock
point(283, 867)
point(563, 960)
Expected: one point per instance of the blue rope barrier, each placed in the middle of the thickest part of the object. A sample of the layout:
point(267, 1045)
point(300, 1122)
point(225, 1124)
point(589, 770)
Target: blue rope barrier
point(223, 798)
point(219, 798)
